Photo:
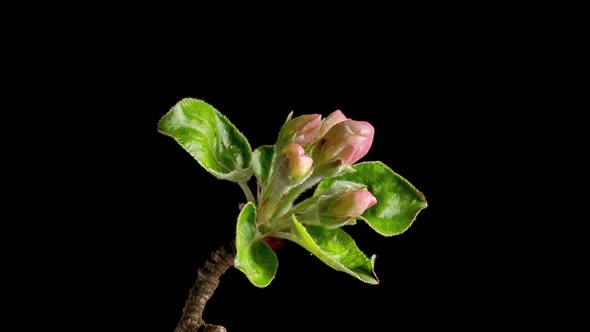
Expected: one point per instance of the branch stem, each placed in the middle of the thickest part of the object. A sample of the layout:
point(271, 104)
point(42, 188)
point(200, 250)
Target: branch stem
point(202, 290)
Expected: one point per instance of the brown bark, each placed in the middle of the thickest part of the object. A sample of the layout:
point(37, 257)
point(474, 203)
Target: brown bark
point(207, 281)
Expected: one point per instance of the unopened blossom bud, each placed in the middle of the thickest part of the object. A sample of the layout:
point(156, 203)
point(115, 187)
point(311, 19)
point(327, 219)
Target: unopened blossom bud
point(337, 210)
point(305, 128)
point(351, 204)
point(299, 164)
point(332, 119)
point(347, 141)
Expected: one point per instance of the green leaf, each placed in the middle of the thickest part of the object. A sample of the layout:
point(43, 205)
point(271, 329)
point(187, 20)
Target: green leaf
point(398, 202)
point(335, 248)
point(210, 138)
point(262, 162)
point(253, 257)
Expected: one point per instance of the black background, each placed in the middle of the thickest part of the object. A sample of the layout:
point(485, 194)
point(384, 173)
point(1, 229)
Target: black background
point(140, 215)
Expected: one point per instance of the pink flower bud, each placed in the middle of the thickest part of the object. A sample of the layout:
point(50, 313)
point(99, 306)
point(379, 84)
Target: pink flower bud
point(348, 141)
point(300, 164)
point(305, 127)
point(332, 119)
point(352, 204)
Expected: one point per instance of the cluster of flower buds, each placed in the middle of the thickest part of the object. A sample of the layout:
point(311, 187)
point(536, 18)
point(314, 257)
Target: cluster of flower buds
point(309, 146)
point(335, 141)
